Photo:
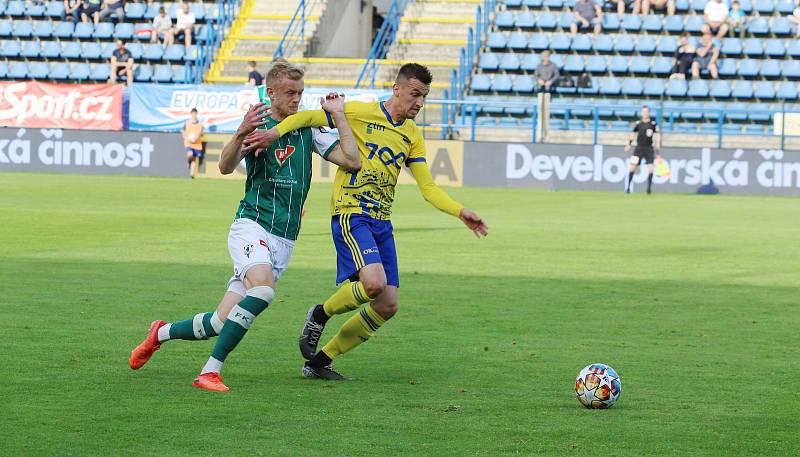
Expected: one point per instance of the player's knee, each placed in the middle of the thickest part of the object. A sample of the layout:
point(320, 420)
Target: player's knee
point(374, 286)
point(265, 293)
point(386, 310)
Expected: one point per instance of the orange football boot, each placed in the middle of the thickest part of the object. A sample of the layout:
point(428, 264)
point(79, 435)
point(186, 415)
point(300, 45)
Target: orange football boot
point(210, 381)
point(142, 353)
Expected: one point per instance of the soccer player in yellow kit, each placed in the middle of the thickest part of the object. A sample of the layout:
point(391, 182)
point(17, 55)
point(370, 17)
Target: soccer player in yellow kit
point(361, 203)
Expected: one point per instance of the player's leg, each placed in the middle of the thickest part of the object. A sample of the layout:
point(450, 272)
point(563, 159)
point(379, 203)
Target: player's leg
point(631, 172)
point(194, 164)
point(650, 168)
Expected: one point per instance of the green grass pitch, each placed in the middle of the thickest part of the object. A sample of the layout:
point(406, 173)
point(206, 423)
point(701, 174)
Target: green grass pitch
point(694, 300)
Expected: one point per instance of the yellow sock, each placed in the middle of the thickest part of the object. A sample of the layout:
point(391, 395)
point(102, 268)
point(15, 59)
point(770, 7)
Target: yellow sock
point(359, 328)
point(348, 298)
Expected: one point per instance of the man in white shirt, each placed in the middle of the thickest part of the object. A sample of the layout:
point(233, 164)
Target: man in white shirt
point(184, 24)
point(162, 28)
point(716, 15)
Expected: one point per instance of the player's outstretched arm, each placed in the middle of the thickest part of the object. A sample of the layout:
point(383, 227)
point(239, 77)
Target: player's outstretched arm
point(434, 195)
point(346, 154)
point(262, 139)
point(233, 152)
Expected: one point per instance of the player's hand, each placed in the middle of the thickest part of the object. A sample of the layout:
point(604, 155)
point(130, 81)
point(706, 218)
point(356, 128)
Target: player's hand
point(254, 118)
point(259, 139)
point(333, 103)
point(474, 222)
point(627, 149)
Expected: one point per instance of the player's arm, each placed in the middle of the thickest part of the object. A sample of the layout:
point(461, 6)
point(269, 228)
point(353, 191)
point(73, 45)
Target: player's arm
point(345, 154)
point(631, 137)
point(434, 195)
point(657, 141)
point(262, 139)
point(233, 152)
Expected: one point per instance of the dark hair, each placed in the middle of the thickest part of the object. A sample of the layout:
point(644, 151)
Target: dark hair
point(162, 10)
point(416, 71)
point(194, 110)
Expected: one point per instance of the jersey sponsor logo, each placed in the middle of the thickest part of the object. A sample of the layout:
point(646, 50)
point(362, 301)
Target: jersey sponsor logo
point(263, 243)
point(373, 250)
point(283, 154)
point(375, 126)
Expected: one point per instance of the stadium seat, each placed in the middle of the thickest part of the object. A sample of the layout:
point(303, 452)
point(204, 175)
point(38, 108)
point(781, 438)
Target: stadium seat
point(557, 60)
point(732, 129)
point(153, 51)
point(136, 49)
point(632, 86)
point(152, 11)
point(774, 47)
point(631, 22)
point(748, 68)
point(764, 90)
point(525, 20)
point(697, 88)
point(51, 49)
point(501, 83)
point(103, 31)
point(597, 64)
point(736, 112)
point(743, 89)
point(793, 48)
point(654, 87)
point(753, 47)
point(30, 49)
point(60, 70)
point(785, 6)
point(691, 111)
point(673, 24)
point(83, 30)
point(611, 22)
point(15, 8)
point(481, 82)
point(64, 30)
point(509, 62)
point(746, 6)
point(18, 70)
point(36, 10)
point(199, 11)
point(504, 19)
point(560, 42)
point(629, 112)
point(780, 26)
point(142, 31)
point(496, 40)
point(70, 49)
point(639, 65)
point(731, 47)
point(554, 4)
point(624, 43)
point(698, 5)
point(43, 29)
point(6, 27)
point(770, 68)
point(523, 84)
point(80, 71)
point(594, 89)
point(754, 129)
point(566, 20)
point(135, 10)
point(720, 89)
point(758, 26)
point(39, 70)
point(646, 44)
point(530, 62)
point(676, 88)
point(10, 48)
point(603, 43)
point(175, 52)
point(547, 21)
point(610, 86)
point(623, 126)
point(107, 50)
point(180, 73)
point(143, 73)
point(517, 110)
point(538, 42)
point(23, 29)
point(667, 44)
point(791, 69)
point(662, 66)
point(488, 61)
point(581, 43)
point(123, 31)
point(513, 3)
point(3, 68)
point(91, 50)
point(574, 64)
point(765, 7)
point(693, 24)
point(491, 108)
point(518, 41)
point(54, 9)
point(726, 67)
point(652, 23)
point(787, 90)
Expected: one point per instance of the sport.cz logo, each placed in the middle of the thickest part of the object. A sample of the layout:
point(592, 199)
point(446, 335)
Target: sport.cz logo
point(20, 102)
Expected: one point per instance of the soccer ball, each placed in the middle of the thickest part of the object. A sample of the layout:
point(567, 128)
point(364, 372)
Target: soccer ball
point(598, 386)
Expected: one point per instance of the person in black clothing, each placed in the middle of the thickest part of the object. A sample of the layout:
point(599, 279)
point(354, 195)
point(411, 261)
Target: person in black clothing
point(121, 64)
point(684, 56)
point(254, 78)
point(647, 143)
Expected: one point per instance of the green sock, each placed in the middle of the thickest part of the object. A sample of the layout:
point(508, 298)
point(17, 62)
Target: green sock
point(200, 327)
point(239, 320)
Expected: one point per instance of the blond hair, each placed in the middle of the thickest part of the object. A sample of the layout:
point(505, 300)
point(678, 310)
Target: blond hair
point(280, 69)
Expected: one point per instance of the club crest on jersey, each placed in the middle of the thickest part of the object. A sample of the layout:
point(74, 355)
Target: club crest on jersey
point(248, 249)
point(283, 154)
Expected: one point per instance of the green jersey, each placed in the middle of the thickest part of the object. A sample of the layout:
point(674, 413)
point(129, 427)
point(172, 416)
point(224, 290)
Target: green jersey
point(279, 178)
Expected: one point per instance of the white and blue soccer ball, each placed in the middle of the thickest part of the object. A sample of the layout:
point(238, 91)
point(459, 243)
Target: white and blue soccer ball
point(598, 386)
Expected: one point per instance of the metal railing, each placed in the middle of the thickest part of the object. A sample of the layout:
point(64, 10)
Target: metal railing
point(296, 30)
point(215, 30)
point(380, 46)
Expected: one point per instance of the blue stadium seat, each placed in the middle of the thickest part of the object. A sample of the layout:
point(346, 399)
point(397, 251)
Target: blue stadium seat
point(629, 111)
point(518, 40)
point(603, 43)
point(35, 10)
point(23, 29)
point(547, 21)
point(720, 88)
point(518, 110)
point(560, 42)
point(676, 88)
point(123, 31)
point(690, 111)
point(6, 27)
point(80, 71)
point(623, 43)
point(726, 67)
point(597, 64)
point(673, 24)
point(70, 49)
point(610, 86)
point(199, 11)
point(54, 9)
point(610, 22)
point(134, 10)
point(731, 129)
point(785, 6)
point(631, 22)
point(765, 7)
point(764, 90)
point(697, 88)
point(594, 89)
point(770, 68)
point(64, 30)
point(557, 60)
point(632, 86)
point(793, 48)
point(743, 89)
point(667, 44)
point(581, 43)
point(791, 69)
point(15, 8)
point(3, 68)
point(513, 3)
point(731, 47)
point(91, 50)
point(662, 65)
point(504, 19)
point(538, 42)
point(652, 23)
point(523, 84)
point(754, 129)
point(100, 72)
point(39, 70)
point(153, 51)
point(525, 20)
point(622, 126)
point(136, 49)
point(30, 49)
point(481, 82)
point(780, 26)
point(51, 49)
point(639, 65)
point(617, 65)
point(496, 40)
point(530, 62)
point(531, 3)
point(737, 112)
point(574, 64)
point(753, 47)
point(566, 20)
point(509, 62)
point(646, 44)
point(693, 24)
point(787, 90)
point(143, 73)
point(180, 73)
point(501, 83)
point(43, 29)
point(556, 124)
point(107, 50)
point(175, 53)
point(2, 11)
point(774, 47)
point(10, 48)
point(493, 109)
point(18, 70)
point(83, 30)
point(758, 26)
point(152, 11)
point(60, 70)
point(748, 68)
point(103, 31)
point(488, 61)
point(698, 5)
point(554, 4)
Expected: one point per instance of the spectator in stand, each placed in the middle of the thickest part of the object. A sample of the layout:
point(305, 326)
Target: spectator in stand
point(121, 64)
point(588, 15)
point(716, 14)
point(546, 73)
point(254, 78)
point(184, 24)
point(116, 7)
point(736, 19)
point(706, 57)
point(193, 142)
point(89, 11)
point(684, 56)
point(658, 4)
point(71, 9)
point(622, 5)
point(162, 28)
point(795, 19)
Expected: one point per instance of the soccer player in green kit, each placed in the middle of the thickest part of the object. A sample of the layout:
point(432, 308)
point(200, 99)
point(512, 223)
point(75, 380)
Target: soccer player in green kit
point(267, 221)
